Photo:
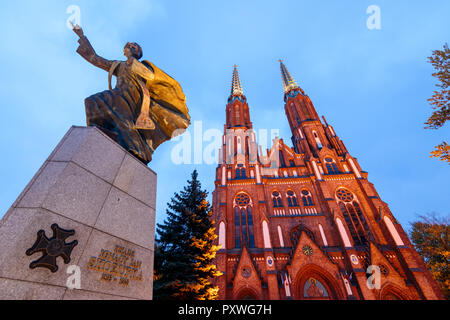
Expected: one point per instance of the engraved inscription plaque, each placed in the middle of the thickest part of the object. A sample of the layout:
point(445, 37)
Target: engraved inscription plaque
point(118, 266)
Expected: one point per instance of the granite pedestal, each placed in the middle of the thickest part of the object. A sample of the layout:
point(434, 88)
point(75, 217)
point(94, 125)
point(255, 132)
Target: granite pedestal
point(91, 185)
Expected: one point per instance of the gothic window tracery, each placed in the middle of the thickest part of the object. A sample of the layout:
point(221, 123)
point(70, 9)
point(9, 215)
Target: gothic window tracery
point(297, 231)
point(331, 166)
point(276, 198)
point(240, 172)
point(243, 216)
point(353, 216)
point(237, 228)
point(306, 198)
point(291, 198)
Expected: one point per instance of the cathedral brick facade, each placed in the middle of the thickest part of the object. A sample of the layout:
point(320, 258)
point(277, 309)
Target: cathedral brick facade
point(303, 221)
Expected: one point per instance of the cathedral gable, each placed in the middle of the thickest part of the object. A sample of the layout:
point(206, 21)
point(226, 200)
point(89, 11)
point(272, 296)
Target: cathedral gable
point(390, 278)
point(307, 252)
point(246, 276)
point(309, 260)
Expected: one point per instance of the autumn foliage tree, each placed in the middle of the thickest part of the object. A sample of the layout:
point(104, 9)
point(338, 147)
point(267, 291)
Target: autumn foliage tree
point(430, 236)
point(440, 100)
point(184, 251)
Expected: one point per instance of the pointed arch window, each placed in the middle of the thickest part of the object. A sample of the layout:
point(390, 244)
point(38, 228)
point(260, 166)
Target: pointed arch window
point(280, 236)
point(276, 198)
point(306, 198)
point(239, 144)
point(237, 113)
point(353, 216)
point(297, 118)
point(316, 137)
point(240, 172)
point(297, 231)
point(331, 166)
point(247, 145)
point(395, 235)
point(360, 215)
point(244, 232)
point(222, 235)
point(291, 198)
point(237, 227)
point(251, 237)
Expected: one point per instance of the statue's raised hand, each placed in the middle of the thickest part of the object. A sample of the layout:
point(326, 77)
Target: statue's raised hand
point(77, 29)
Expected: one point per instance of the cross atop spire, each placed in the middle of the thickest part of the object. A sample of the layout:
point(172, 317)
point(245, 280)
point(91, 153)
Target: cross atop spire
point(236, 88)
point(288, 82)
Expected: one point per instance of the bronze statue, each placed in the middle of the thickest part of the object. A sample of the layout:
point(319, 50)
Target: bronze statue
point(145, 107)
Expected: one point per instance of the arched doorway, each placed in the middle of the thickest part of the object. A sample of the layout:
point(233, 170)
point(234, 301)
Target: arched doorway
point(391, 296)
point(314, 283)
point(247, 294)
point(389, 292)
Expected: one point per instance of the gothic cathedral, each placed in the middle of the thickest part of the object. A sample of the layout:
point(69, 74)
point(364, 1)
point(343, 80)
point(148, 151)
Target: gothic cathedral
point(304, 222)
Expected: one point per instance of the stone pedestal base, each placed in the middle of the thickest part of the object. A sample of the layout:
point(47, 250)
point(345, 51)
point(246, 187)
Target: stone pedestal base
point(91, 185)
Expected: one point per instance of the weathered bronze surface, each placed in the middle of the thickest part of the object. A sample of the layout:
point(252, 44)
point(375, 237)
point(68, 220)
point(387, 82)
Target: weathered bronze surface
point(52, 248)
point(147, 106)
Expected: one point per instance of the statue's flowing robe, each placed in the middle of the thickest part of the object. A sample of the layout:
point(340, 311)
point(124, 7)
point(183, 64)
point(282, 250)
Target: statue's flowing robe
point(115, 111)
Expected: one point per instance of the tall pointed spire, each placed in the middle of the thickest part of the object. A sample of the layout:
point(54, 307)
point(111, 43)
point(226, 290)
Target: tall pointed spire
point(288, 82)
point(236, 88)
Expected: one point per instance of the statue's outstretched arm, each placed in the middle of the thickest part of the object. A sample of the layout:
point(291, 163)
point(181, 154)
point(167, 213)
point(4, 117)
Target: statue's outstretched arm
point(87, 51)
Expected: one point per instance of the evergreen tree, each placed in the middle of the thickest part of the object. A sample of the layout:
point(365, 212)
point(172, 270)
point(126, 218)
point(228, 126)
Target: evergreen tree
point(184, 252)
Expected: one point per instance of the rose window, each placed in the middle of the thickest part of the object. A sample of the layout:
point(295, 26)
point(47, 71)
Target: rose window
point(242, 200)
point(344, 195)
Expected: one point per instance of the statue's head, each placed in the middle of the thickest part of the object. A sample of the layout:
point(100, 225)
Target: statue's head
point(132, 49)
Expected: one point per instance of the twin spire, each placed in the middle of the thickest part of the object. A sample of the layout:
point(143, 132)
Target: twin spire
point(288, 82)
point(236, 88)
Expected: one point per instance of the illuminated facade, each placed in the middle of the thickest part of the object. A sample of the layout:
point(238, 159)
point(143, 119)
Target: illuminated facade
point(304, 222)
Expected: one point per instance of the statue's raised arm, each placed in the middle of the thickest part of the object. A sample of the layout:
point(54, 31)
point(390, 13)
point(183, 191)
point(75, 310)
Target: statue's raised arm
point(87, 51)
point(146, 107)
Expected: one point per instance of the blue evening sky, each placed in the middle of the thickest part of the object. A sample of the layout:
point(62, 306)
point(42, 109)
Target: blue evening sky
point(371, 85)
